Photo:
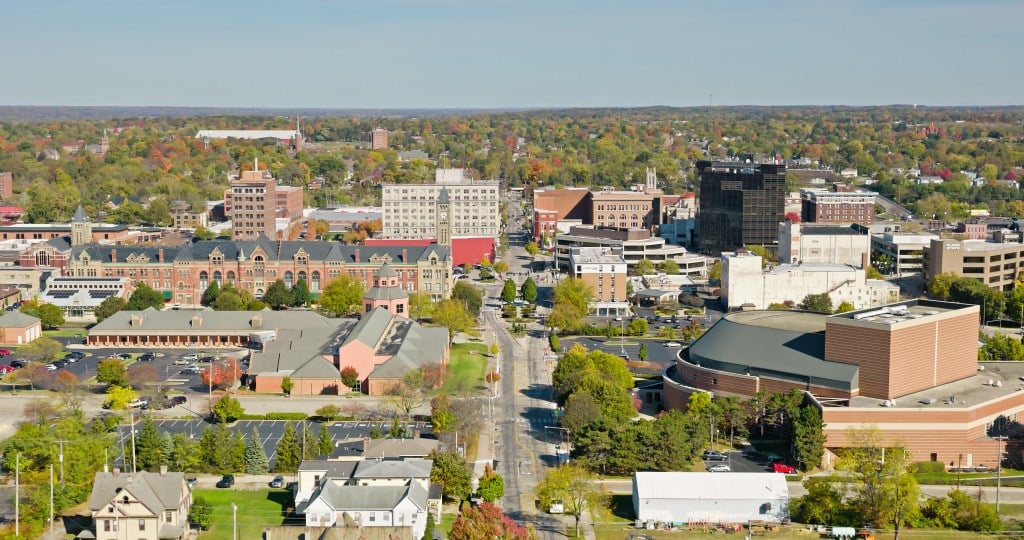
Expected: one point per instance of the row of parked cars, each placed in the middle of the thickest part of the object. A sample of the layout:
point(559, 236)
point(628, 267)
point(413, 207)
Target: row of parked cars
point(714, 462)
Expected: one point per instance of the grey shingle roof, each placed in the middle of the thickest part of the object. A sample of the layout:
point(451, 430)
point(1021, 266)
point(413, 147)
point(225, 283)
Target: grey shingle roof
point(370, 329)
point(408, 468)
point(443, 197)
point(16, 319)
point(155, 491)
point(79, 216)
point(364, 498)
point(420, 346)
point(208, 320)
point(385, 293)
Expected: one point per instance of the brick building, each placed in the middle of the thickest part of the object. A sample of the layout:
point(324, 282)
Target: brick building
point(605, 271)
point(251, 205)
point(553, 205)
point(820, 206)
point(910, 369)
point(182, 273)
point(379, 139)
point(623, 209)
point(184, 218)
point(6, 185)
point(16, 328)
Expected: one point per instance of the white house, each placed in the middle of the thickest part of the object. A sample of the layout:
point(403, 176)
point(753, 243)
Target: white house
point(689, 497)
point(145, 505)
point(338, 505)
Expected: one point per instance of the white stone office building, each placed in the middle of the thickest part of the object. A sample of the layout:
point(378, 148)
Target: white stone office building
point(410, 210)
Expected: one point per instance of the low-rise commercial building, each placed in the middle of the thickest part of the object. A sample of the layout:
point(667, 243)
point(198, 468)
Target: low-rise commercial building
point(746, 285)
point(996, 264)
point(802, 243)
point(635, 245)
point(700, 497)
point(899, 253)
point(78, 297)
point(17, 328)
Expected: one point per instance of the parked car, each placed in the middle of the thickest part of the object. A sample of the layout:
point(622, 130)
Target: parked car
point(191, 482)
point(60, 363)
point(5, 352)
point(192, 370)
point(147, 357)
point(77, 355)
point(50, 367)
point(138, 404)
point(714, 455)
point(227, 481)
point(207, 359)
point(189, 358)
point(124, 356)
point(6, 369)
point(181, 362)
point(781, 467)
point(720, 467)
point(673, 344)
point(277, 482)
point(177, 400)
point(19, 363)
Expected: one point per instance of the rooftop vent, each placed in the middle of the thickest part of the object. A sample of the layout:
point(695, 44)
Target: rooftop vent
point(928, 401)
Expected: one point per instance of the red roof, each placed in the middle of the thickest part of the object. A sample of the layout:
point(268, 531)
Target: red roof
point(11, 210)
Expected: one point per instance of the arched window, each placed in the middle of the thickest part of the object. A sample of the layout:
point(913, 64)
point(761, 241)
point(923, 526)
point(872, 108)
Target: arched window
point(42, 258)
point(302, 277)
point(217, 276)
point(289, 279)
point(315, 284)
point(181, 285)
point(231, 278)
point(204, 280)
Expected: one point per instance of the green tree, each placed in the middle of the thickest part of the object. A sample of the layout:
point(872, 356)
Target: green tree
point(287, 385)
point(529, 290)
point(325, 442)
point(491, 485)
point(644, 268)
point(715, 271)
point(823, 503)
point(501, 267)
point(237, 453)
point(344, 295)
point(809, 438)
point(41, 349)
point(532, 249)
point(573, 486)
point(49, 315)
point(300, 293)
point(844, 307)
point(881, 490)
point(109, 306)
point(201, 512)
point(642, 355)
point(637, 327)
point(227, 409)
point(970, 291)
point(818, 303)
point(349, 376)
point(508, 291)
point(255, 456)
point(228, 300)
point(470, 296)
point(453, 315)
point(185, 454)
point(202, 233)
point(211, 293)
point(112, 372)
point(669, 266)
point(328, 413)
point(580, 410)
point(289, 454)
point(421, 306)
point(452, 473)
point(144, 297)
point(998, 347)
point(940, 284)
point(310, 446)
point(149, 447)
point(278, 295)
point(873, 273)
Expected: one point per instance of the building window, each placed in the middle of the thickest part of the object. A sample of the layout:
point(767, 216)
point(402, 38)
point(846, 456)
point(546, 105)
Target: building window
point(142, 524)
point(315, 283)
point(106, 525)
point(400, 308)
point(204, 280)
point(168, 516)
point(369, 307)
point(289, 279)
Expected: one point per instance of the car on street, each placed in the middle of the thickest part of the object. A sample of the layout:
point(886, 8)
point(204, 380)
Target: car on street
point(188, 358)
point(227, 481)
point(277, 482)
point(50, 367)
point(673, 344)
point(714, 455)
point(191, 370)
point(147, 357)
point(781, 467)
point(719, 467)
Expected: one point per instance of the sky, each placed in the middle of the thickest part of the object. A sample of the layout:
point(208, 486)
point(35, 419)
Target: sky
point(510, 53)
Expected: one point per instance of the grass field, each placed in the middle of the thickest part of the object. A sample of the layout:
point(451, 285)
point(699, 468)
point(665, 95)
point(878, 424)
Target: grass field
point(466, 368)
point(65, 332)
point(256, 509)
point(619, 532)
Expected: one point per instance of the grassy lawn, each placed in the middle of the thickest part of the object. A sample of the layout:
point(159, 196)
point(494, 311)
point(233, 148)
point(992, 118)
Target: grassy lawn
point(796, 532)
point(466, 368)
point(1011, 478)
point(256, 509)
point(65, 332)
point(448, 515)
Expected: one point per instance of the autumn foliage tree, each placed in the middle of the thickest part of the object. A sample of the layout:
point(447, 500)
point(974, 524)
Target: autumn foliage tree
point(486, 522)
point(223, 374)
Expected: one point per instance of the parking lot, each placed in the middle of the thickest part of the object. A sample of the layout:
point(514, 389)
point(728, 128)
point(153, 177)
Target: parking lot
point(658, 354)
point(271, 431)
point(743, 462)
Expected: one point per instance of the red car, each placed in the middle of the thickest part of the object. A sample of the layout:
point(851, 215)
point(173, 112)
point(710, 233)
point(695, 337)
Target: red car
point(5, 370)
point(5, 352)
point(781, 467)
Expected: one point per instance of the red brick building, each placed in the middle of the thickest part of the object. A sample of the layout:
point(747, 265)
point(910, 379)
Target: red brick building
point(819, 206)
point(910, 369)
point(6, 185)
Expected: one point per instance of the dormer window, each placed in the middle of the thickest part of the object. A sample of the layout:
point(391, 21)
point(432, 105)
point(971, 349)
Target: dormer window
point(302, 260)
point(217, 259)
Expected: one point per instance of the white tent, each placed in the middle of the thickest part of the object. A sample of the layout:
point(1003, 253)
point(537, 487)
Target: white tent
point(686, 497)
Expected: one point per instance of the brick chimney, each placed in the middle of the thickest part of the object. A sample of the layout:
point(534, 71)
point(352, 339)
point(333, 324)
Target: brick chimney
point(366, 445)
point(357, 255)
point(113, 255)
point(160, 255)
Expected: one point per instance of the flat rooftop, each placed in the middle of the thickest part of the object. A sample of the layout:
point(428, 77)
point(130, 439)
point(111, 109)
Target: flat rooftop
point(903, 311)
point(983, 245)
point(792, 321)
point(596, 255)
point(997, 379)
point(829, 230)
point(810, 267)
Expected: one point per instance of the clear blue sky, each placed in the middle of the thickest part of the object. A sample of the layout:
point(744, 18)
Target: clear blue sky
point(504, 53)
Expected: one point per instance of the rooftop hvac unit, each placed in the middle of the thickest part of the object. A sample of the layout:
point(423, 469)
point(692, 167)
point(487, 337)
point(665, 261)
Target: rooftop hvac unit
point(928, 401)
point(999, 384)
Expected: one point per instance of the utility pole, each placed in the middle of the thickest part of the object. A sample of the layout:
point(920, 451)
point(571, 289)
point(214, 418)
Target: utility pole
point(133, 443)
point(999, 470)
point(234, 521)
point(51, 500)
point(60, 459)
point(17, 494)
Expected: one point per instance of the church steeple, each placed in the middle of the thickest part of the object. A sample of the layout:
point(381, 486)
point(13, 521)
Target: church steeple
point(443, 218)
point(81, 228)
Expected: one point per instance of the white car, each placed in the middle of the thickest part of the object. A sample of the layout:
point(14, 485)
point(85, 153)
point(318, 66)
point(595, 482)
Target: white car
point(720, 467)
point(190, 357)
point(673, 344)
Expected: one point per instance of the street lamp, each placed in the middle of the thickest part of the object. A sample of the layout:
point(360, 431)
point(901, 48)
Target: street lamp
point(999, 469)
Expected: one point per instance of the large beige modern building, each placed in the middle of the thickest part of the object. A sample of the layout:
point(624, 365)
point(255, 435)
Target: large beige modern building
point(996, 264)
point(410, 210)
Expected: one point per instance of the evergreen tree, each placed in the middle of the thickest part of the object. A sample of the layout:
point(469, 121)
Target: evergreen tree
point(186, 454)
point(255, 456)
point(211, 293)
point(809, 439)
point(224, 459)
point(529, 290)
point(149, 447)
point(208, 450)
point(300, 292)
point(278, 295)
point(143, 297)
point(397, 429)
point(326, 441)
point(238, 452)
point(508, 292)
point(288, 452)
point(310, 446)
